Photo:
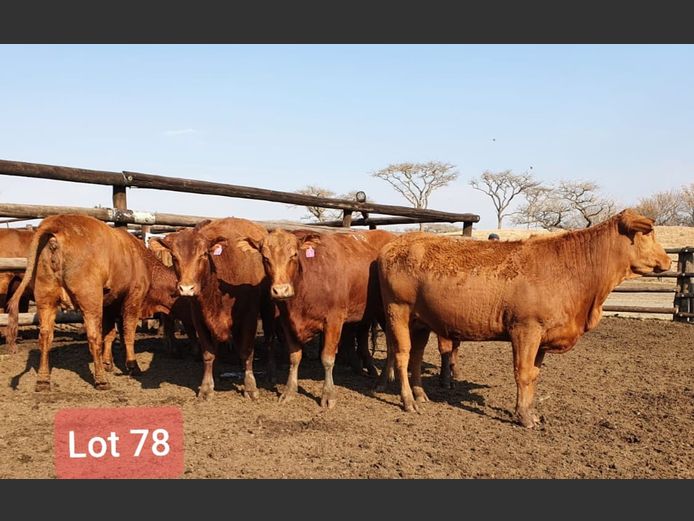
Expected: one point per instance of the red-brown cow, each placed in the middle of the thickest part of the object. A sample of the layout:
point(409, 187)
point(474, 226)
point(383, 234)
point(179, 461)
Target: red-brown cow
point(320, 282)
point(14, 243)
point(162, 297)
point(80, 262)
point(541, 293)
point(227, 285)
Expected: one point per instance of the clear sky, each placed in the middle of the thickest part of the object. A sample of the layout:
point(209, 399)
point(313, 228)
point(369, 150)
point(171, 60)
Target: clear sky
point(284, 116)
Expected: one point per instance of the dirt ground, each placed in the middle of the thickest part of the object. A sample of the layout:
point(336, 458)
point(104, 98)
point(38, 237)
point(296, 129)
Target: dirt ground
point(620, 405)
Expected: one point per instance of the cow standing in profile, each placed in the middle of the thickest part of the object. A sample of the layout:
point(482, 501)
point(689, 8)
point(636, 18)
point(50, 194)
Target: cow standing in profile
point(541, 294)
point(78, 261)
point(321, 281)
point(228, 287)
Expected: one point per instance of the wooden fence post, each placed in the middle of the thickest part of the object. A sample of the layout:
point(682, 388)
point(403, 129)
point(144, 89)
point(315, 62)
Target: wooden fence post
point(120, 200)
point(467, 229)
point(684, 294)
point(346, 218)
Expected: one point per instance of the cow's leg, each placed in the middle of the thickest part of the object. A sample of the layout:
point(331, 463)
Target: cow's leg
point(245, 335)
point(388, 374)
point(419, 340)
point(399, 328)
point(456, 375)
point(363, 348)
point(208, 345)
point(92, 325)
point(294, 349)
point(129, 321)
point(331, 339)
point(46, 314)
point(109, 333)
point(445, 350)
point(526, 343)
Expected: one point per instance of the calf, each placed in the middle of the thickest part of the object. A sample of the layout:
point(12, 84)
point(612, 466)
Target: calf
point(541, 294)
point(80, 262)
point(321, 282)
point(227, 285)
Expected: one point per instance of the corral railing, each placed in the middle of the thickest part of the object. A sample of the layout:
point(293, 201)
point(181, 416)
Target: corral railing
point(682, 309)
point(121, 181)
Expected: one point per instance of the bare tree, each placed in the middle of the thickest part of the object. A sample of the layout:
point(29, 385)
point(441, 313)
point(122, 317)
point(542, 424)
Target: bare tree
point(666, 208)
point(416, 181)
point(502, 188)
point(688, 205)
point(543, 208)
point(318, 212)
point(588, 206)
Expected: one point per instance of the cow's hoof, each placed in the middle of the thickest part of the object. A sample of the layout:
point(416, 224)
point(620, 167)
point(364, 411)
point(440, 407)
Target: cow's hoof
point(328, 400)
point(133, 369)
point(108, 367)
point(287, 396)
point(102, 386)
point(252, 395)
point(420, 395)
point(528, 419)
point(205, 393)
point(42, 387)
point(410, 406)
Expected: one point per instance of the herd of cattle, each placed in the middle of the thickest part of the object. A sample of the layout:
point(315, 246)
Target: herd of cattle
point(541, 293)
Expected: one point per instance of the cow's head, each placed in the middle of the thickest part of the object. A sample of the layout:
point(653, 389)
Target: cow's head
point(645, 253)
point(280, 251)
point(190, 253)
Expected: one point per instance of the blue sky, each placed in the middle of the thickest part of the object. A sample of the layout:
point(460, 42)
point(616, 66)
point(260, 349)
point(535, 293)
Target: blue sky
point(284, 116)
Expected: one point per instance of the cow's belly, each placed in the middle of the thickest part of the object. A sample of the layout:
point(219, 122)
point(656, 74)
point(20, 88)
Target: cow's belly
point(465, 311)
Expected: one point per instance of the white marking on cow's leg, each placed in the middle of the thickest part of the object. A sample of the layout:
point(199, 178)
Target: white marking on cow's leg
point(293, 378)
point(419, 342)
point(525, 340)
point(331, 338)
point(47, 321)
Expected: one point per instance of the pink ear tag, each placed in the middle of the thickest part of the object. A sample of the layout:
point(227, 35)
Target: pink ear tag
point(310, 252)
point(217, 250)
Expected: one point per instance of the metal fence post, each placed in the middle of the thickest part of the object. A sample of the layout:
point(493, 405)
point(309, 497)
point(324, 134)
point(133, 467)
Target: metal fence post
point(684, 294)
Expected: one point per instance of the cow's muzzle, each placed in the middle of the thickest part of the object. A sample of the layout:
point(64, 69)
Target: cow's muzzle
point(186, 290)
point(281, 291)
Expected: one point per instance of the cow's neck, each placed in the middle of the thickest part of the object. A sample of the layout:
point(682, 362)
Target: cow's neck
point(162, 290)
point(594, 267)
point(216, 310)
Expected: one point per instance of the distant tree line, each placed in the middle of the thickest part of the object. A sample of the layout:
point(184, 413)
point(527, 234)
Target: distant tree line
point(520, 197)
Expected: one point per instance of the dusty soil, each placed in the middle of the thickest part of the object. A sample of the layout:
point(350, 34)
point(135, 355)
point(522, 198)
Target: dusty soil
point(620, 405)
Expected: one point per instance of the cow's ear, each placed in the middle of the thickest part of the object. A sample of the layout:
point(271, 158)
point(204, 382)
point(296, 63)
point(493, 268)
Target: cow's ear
point(631, 222)
point(217, 245)
point(158, 244)
point(248, 244)
point(310, 240)
point(201, 224)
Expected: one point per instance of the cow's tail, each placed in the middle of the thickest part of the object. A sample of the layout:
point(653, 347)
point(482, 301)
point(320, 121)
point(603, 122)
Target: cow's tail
point(42, 236)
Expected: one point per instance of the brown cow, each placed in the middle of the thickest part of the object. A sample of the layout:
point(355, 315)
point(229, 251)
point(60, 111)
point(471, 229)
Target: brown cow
point(227, 285)
point(81, 262)
point(541, 293)
point(14, 243)
point(162, 297)
point(320, 282)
